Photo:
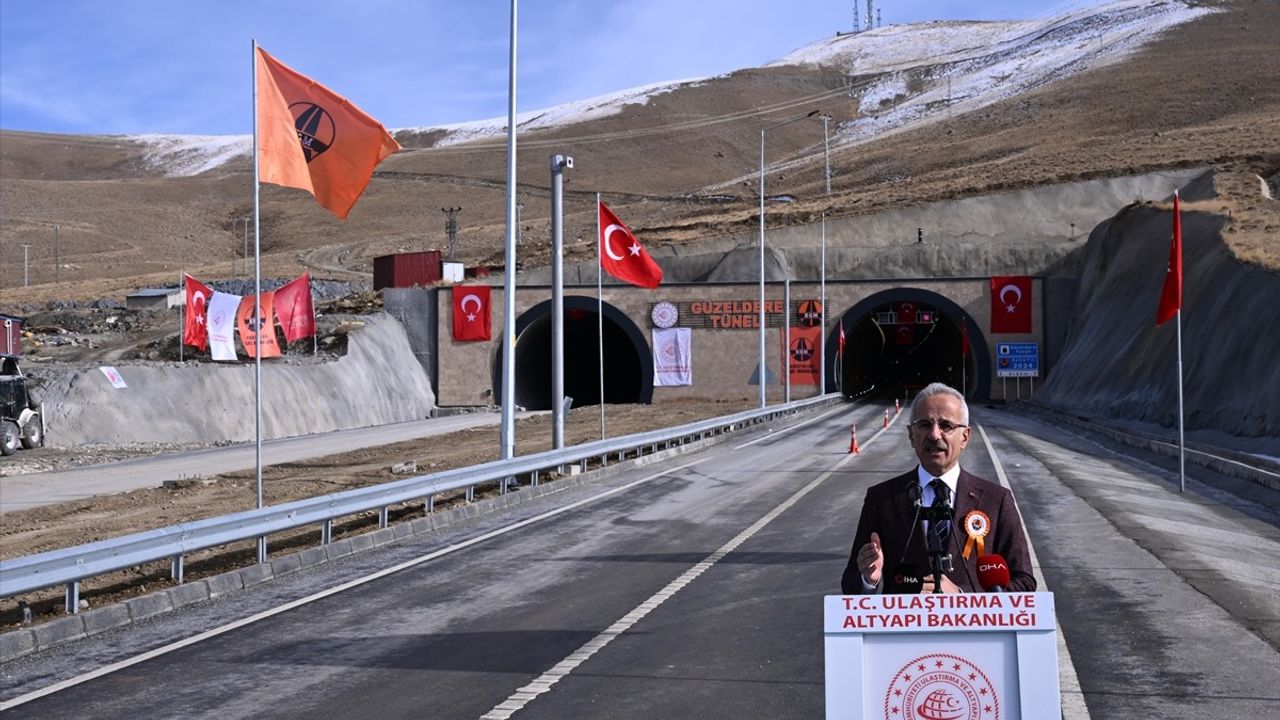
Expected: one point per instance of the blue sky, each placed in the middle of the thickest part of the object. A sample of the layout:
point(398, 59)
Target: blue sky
point(180, 66)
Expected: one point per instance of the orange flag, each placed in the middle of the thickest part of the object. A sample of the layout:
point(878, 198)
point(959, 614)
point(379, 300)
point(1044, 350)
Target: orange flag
point(245, 323)
point(314, 139)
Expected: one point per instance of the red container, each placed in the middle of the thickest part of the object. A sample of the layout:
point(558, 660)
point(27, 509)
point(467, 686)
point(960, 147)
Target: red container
point(406, 270)
point(10, 335)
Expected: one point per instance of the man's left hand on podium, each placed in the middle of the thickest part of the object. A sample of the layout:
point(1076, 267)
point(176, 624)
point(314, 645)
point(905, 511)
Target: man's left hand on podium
point(947, 585)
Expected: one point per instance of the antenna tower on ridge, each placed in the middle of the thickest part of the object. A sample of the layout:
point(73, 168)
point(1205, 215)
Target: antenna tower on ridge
point(869, 15)
point(857, 25)
point(451, 229)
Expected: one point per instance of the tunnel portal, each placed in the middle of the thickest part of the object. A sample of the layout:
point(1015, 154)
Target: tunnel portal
point(628, 376)
point(900, 340)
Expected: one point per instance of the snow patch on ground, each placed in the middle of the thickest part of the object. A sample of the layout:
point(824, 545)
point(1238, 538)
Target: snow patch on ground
point(921, 72)
point(567, 114)
point(184, 155)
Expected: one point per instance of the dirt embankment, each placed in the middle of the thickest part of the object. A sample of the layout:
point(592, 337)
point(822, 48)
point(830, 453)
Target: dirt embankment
point(1117, 363)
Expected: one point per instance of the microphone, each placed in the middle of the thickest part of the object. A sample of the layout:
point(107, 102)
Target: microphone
point(913, 494)
point(907, 579)
point(993, 573)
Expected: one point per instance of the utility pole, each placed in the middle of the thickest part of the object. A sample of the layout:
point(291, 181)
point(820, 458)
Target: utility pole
point(57, 257)
point(857, 24)
point(870, 26)
point(451, 229)
point(878, 21)
point(558, 165)
point(244, 264)
point(519, 229)
point(25, 247)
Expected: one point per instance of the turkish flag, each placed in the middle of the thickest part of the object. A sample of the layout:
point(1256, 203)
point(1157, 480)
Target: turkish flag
point(1171, 295)
point(245, 324)
point(622, 256)
point(471, 312)
point(1011, 304)
point(313, 139)
point(194, 332)
point(841, 347)
point(293, 305)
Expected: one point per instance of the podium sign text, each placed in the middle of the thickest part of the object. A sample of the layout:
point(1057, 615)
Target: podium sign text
point(968, 656)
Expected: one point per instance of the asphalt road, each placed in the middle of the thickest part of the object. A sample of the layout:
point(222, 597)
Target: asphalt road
point(693, 589)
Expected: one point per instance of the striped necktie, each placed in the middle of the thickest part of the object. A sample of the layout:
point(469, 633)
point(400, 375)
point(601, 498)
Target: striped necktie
point(941, 499)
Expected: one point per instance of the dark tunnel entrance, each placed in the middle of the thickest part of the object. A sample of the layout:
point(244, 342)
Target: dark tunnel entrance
point(628, 364)
point(900, 340)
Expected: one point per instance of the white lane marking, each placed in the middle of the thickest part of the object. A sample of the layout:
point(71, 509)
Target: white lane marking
point(560, 670)
point(1072, 696)
point(122, 664)
point(785, 430)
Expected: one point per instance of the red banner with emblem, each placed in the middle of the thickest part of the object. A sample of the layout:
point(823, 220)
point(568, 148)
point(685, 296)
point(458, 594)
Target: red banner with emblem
point(802, 355)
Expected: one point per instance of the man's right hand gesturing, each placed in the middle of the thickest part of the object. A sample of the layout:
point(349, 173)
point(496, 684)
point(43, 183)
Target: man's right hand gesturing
point(871, 560)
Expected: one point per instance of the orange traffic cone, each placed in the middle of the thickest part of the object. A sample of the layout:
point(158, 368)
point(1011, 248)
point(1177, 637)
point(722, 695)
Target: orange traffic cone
point(853, 440)
point(886, 417)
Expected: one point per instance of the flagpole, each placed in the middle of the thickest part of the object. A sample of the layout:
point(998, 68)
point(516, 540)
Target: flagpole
point(822, 344)
point(257, 310)
point(1182, 446)
point(182, 316)
point(508, 439)
point(600, 310)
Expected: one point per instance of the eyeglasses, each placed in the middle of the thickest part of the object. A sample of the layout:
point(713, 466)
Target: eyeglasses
point(946, 426)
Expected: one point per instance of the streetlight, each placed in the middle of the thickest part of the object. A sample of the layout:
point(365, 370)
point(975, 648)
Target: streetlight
point(785, 311)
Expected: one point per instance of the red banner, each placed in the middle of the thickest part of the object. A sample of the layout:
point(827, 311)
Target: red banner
point(293, 305)
point(1011, 304)
point(904, 334)
point(907, 313)
point(245, 324)
point(802, 355)
point(194, 331)
point(1171, 293)
point(471, 312)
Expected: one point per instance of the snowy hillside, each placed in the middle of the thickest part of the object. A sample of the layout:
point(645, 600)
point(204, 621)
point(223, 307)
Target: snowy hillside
point(919, 72)
point(903, 75)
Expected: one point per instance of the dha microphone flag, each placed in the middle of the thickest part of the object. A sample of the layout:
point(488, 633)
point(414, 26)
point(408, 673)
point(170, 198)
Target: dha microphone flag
point(313, 139)
point(993, 573)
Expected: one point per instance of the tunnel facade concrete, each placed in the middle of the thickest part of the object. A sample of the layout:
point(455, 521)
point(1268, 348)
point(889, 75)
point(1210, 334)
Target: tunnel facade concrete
point(723, 319)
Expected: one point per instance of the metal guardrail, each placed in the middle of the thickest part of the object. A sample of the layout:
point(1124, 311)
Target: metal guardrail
point(69, 566)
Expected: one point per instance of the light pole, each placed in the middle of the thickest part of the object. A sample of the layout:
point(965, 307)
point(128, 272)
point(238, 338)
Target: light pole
point(558, 165)
point(785, 341)
point(826, 154)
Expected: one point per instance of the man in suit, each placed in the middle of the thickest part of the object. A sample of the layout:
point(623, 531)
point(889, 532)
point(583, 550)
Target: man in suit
point(887, 535)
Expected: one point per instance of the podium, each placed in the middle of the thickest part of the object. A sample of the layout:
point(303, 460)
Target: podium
point(964, 656)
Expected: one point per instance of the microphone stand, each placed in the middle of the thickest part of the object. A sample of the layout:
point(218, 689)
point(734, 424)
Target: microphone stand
point(939, 559)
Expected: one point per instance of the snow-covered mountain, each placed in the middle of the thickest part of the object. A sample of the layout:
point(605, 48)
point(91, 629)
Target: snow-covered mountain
point(904, 75)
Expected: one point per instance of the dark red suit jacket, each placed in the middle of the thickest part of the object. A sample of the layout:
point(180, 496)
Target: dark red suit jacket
point(887, 510)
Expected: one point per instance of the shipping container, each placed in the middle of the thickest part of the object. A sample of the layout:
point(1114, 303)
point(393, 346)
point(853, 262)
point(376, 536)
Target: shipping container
point(416, 269)
point(11, 337)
